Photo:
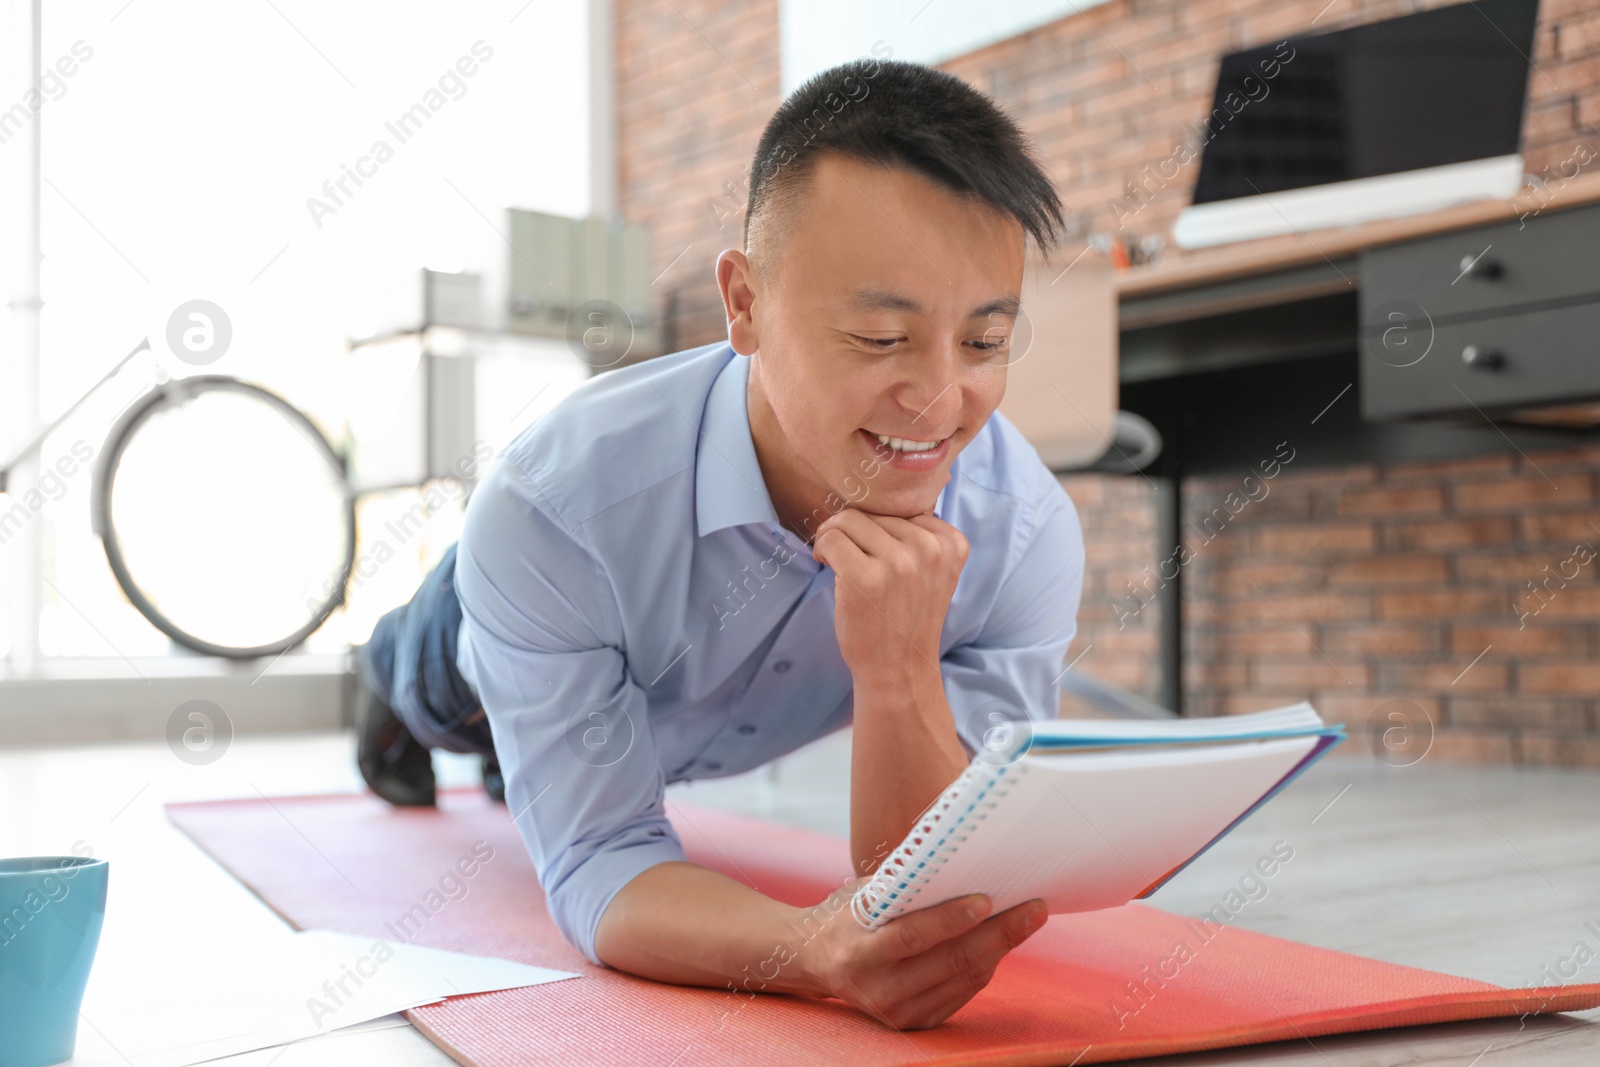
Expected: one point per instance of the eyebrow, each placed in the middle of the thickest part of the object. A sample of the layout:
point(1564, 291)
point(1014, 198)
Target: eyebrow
point(888, 300)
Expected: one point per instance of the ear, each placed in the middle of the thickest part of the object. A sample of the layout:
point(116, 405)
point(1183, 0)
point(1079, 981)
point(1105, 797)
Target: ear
point(737, 280)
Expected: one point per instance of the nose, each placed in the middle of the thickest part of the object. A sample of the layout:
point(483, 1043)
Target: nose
point(933, 393)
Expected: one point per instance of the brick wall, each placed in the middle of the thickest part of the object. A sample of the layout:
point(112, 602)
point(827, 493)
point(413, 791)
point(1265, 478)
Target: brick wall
point(697, 81)
point(1462, 591)
point(1357, 587)
point(1119, 636)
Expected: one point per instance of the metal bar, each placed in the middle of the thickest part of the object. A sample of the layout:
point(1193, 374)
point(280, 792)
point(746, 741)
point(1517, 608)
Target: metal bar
point(27, 555)
point(1169, 593)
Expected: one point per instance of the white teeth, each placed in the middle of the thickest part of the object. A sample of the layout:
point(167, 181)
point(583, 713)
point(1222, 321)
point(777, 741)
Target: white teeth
point(900, 444)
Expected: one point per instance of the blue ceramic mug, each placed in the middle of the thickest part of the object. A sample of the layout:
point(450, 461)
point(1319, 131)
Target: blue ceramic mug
point(51, 911)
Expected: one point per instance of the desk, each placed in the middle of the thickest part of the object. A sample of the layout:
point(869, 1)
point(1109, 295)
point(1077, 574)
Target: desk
point(1193, 271)
point(1231, 350)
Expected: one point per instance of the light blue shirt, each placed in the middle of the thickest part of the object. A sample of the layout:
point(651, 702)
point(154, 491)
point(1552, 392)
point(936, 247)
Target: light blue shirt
point(634, 614)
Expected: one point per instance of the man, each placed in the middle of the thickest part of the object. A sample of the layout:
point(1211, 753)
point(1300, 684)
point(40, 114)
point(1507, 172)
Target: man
point(696, 564)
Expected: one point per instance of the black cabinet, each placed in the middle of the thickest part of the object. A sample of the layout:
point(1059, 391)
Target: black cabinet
point(1494, 319)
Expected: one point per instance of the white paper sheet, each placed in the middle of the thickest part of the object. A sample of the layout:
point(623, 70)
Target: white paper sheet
point(299, 986)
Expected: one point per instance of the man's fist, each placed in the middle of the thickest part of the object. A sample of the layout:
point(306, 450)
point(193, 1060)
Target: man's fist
point(893, 580)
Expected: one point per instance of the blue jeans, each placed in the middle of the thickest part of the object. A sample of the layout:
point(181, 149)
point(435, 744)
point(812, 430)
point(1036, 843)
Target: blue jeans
point(410, 662)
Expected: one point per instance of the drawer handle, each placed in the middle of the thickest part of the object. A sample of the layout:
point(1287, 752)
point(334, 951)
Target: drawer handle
point(1482, 358)
point(1480, 266)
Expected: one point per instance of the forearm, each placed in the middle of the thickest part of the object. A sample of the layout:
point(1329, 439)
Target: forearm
point(904, 752)
point(682, 923)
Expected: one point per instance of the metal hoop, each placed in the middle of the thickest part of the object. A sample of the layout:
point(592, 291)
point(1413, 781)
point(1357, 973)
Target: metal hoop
point(173, 394)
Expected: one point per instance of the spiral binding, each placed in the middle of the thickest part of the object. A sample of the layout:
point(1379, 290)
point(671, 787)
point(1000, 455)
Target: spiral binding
point(894, 887)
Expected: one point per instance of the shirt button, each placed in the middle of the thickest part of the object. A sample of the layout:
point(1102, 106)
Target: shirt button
point(781, 666)
point(712, 765)
point(746, 728)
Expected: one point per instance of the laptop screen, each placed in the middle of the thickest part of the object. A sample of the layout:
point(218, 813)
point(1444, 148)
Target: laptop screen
point(1423, 90)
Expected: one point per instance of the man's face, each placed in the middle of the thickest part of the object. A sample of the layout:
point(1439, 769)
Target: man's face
point(884, 310)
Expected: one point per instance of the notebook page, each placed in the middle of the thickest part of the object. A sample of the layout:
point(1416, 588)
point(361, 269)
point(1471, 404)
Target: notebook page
point(1296, 718)
point(1093, 830)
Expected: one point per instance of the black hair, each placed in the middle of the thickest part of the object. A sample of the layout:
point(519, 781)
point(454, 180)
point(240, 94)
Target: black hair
point(906, 115)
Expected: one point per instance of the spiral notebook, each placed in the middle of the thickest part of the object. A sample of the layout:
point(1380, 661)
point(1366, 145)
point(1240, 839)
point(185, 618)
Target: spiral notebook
point(1091, 814)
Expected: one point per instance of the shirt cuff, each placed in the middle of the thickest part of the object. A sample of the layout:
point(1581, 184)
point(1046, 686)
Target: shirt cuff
point(584, 895)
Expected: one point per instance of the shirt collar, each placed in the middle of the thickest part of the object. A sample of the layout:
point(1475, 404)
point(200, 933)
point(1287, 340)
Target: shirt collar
point(729, 489)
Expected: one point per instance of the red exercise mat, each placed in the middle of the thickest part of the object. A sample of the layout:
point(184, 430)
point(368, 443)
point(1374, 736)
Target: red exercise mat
point(351, 863)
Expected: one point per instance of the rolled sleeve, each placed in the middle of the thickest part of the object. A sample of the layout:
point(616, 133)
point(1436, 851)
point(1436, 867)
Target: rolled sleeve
point(1010, 671)
point(541, 647)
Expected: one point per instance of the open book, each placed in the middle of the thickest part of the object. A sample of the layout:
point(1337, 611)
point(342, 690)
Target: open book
point(1091, 814)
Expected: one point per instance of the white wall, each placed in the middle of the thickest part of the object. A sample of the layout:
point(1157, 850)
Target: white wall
point(818, 34)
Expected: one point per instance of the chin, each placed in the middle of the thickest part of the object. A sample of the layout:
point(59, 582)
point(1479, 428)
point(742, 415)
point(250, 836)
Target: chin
point(900, 505)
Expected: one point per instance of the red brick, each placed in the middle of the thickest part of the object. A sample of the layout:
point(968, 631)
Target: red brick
point(1380, 639)
point(1212, 502)
point(1579, 602)
point(1316, 540)
point(1358, 710)
point(1511, 640)
point(1570, 528)
point(1581, 678)
point(1302, 609)
point(1306, 674)
point(1273, 641)
point(1511, 567)
point(1387, 501)
point(1242, 579)
point(1389, 571)
point(1271, 23)
point(1085, 490)
point(1575, 75)
point(1216, 674)
point(1336, 478)
point(1247, 702)
point(1553, 118)
point(1579, 36)
point(1486, 675)
point(1128, 642)
point(1130, 674)
point(1561, 10)
point(1520, 711)
point(1525, 492)
point(1448, 470)
point(1442, 604)
point(1450, 533)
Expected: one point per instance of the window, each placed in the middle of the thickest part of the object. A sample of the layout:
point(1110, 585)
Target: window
point(232, 153)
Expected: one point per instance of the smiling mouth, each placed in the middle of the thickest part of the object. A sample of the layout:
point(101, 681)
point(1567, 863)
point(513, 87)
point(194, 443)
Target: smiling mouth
point(908, 445)
point(908, 454)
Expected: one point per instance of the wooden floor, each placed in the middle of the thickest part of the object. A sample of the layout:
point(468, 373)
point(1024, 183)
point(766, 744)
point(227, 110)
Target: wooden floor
point(1483, 872)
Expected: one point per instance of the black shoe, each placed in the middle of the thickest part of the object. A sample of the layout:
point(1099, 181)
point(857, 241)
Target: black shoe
point(395, 765)
point(494, 783)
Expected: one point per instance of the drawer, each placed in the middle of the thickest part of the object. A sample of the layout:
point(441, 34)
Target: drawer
point(1552, 257)
point(1536, 357)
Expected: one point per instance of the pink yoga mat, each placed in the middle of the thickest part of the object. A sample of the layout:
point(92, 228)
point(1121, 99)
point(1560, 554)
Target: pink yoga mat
point(353, 864)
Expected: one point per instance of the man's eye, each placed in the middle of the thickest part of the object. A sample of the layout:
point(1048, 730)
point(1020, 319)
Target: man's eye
point(882, 343)
point(989, 346)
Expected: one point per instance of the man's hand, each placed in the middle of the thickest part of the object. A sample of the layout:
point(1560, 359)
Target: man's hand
point(678, 922)
point(914, 972)
point(894, 580)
